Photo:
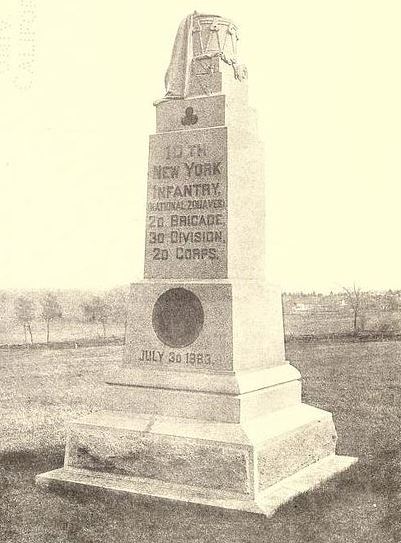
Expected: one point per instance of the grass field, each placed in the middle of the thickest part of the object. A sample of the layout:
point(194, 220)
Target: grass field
point(317, 323)
point(42, 390)
point(60, 330)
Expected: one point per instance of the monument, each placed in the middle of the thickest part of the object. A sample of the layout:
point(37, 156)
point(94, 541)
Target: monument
point(205, 407)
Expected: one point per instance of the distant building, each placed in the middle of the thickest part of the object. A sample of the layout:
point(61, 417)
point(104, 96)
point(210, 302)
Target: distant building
point(299, 307)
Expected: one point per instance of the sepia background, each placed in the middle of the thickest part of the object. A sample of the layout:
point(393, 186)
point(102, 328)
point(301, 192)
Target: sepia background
point(77, 82)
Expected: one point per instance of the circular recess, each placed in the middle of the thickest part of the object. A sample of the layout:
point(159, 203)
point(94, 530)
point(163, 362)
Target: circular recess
point(177, 317)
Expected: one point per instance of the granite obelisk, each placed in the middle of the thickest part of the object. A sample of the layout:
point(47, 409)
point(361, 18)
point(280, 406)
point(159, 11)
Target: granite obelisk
point(205, 407)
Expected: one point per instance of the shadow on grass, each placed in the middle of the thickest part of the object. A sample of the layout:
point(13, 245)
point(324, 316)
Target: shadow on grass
point(361, 504)
point(28, 460)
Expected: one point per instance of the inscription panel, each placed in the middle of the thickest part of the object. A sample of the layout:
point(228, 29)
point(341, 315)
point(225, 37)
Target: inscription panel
point(186, 216)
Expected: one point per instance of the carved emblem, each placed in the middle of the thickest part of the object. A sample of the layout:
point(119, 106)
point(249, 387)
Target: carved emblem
point(178, 317)
point(189, 118)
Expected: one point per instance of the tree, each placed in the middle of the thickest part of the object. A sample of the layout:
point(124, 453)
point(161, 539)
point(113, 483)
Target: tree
point(88, 311)
point(117, 300)
point(354, 298)
point(102, 312)
point(25, 312)
point(51, 309)
point(391, 301)
point(97, 309)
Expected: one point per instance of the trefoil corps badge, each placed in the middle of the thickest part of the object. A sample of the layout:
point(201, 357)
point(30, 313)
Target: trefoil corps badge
point(189, 118)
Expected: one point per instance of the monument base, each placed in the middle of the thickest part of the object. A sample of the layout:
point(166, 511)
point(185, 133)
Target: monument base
point(252, 466)
point(147, 489)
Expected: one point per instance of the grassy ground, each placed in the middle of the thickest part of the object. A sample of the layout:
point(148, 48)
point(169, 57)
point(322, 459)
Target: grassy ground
point(11, 332)
point(42, 390)
point(315, 322)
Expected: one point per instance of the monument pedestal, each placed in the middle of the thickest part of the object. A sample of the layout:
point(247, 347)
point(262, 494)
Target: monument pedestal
point(205, 408)
point(254, 466)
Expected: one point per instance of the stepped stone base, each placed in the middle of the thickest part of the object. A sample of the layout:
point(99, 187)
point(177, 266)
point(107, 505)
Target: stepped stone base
point(144, 489)
point(252, 466)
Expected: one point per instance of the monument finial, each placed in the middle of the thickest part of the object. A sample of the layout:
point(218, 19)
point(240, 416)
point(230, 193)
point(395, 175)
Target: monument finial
point(200, 37)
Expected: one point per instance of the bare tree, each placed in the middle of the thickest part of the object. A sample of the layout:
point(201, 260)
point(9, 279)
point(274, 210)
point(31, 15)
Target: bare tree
point(88, 311)
point(354, 298)
point(97, 309)
point(391, 301)
point(117, 299)
point(25, 312)
point(51, 309)
point(102, 312)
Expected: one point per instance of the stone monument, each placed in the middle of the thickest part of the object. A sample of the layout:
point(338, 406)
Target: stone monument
point(205, 407)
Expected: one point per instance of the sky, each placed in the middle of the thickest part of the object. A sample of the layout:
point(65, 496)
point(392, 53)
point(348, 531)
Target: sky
point(77, 84)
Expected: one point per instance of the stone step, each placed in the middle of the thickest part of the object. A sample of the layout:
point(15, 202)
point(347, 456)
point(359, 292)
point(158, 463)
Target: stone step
point(207, 406)
point(147, 489)
point(255, 431)
point(236, 458)
point(235, 383)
